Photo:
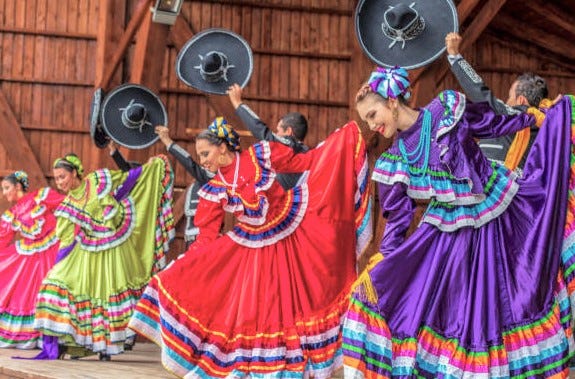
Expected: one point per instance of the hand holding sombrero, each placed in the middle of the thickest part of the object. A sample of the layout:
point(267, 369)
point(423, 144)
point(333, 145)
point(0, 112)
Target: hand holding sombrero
point(127, 115)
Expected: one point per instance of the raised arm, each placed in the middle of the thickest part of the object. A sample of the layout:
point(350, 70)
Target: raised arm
point(473, 85)
point(182, 156)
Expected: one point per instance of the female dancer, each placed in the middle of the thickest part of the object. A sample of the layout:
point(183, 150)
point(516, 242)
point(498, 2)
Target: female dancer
point(479, 289)
point(114, 228)
point(266, 298)
point(28, 248)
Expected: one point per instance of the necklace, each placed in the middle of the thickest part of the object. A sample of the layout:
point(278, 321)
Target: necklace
point(422, 148)
point(236, 173)
point(84, 192)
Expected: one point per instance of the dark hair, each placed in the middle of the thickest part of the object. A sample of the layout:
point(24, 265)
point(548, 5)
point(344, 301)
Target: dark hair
point(214, 140)
point(298, 124)
point(18, 177)
point(66, 164)
point(533, 87)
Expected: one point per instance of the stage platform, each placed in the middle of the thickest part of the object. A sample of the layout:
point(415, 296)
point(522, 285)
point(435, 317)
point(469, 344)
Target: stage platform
point(141, 363)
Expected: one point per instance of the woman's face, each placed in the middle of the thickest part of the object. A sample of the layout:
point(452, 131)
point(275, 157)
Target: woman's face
point(65, 180)
point(378, 115)
point(10, 191)
point(209, 154)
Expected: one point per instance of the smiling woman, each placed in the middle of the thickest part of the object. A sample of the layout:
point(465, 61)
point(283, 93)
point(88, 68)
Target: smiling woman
point(484, 286)
point(278, 282)
point(114, 228)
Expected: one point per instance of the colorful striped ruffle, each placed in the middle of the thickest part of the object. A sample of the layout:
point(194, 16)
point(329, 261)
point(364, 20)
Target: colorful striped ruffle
point(453, 205)
point(568, 246)
point(17, 331)
point(29, 247)
point(165, 227)
point(98, 326)
point(363, 204)
point(499, 192)
point(538, 349)
point(192, 349)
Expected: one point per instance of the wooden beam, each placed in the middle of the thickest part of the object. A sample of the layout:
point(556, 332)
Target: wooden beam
point(109, 27)
point(16, 145)
point(110, 66)
point(345, 10)
point(554, 16)
point(149, 53)
point(530, 49)
point(532, 35)
point(46, 33)
point(147, 63)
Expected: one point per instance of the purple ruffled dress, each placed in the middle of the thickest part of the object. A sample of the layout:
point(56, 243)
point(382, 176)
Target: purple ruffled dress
point(480, 289)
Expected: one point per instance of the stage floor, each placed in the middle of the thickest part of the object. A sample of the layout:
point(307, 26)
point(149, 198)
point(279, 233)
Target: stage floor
point(142, 363)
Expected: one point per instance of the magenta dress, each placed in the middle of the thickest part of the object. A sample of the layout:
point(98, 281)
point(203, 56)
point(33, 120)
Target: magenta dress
point(28, 248)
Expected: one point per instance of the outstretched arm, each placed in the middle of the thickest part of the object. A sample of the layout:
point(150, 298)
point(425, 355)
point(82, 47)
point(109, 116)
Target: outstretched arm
point(182, 156)
point(250, 119)
point(118, 157)
point(483, 122)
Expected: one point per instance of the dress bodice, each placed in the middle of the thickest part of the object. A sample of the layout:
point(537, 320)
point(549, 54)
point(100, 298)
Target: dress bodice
point(264, 210)
point(464, 188)
point(92, 214)
point(32, 217)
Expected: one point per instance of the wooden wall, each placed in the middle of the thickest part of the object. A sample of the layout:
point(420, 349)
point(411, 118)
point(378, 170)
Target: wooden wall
point(306, 58)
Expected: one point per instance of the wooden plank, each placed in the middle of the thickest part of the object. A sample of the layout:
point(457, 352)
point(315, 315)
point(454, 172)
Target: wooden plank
point(106, 69)
point(13, 140)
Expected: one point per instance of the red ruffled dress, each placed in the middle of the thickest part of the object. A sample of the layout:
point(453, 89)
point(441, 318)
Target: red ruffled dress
point(24, 263)
point(266, 298)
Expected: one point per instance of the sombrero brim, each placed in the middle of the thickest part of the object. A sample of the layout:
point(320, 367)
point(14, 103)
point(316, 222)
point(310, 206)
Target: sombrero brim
point(234, 47)
point(119, 99)
point(99, 137)
point(440, 18)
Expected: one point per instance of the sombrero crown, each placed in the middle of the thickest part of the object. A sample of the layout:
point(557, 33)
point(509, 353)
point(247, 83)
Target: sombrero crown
point(404, 33)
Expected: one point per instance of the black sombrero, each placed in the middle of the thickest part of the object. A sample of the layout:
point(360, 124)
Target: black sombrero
point(130, 114)
point(404, 33)
point(98, 135)
point(213, 60)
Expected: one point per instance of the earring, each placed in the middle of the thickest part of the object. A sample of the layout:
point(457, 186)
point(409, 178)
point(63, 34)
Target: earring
point(222, 159)
point(395, 114)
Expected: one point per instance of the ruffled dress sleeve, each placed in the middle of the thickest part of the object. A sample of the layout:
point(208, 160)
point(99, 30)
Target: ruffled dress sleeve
point(209, 219)
point(6, 230)
point(398, 209)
